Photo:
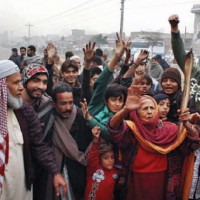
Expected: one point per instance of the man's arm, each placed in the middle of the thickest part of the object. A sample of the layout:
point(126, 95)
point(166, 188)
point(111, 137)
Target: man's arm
point(88, 55)
point(177, 42)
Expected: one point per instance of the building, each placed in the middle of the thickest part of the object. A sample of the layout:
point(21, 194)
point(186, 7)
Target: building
point(196, 36)
point(78, 32)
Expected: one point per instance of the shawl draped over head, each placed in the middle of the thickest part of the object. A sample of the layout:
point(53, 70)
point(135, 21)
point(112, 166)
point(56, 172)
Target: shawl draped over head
point(3, 130)
point(160, 136)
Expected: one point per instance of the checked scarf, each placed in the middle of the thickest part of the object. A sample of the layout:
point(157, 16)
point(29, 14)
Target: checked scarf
point(3, 130)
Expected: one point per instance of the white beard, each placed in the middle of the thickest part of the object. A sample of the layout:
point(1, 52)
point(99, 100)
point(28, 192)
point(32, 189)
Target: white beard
point(13, 102)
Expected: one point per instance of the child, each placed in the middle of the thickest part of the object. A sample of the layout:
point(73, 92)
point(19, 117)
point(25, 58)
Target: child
point(163, 105)
point(101, 175)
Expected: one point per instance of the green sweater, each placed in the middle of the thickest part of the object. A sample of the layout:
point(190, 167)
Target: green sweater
point(179, 54)
point(97, 103)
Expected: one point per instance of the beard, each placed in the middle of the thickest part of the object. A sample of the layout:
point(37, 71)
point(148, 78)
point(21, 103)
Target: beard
point(14, 102)
point(31, 96)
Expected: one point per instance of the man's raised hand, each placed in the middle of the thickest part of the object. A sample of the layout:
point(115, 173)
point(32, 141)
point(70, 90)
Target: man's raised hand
point(52, 51)
point(89, 53)
point(174, 20)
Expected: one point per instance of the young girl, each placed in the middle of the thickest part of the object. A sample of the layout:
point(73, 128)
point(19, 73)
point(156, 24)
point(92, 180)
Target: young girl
point(101, 175)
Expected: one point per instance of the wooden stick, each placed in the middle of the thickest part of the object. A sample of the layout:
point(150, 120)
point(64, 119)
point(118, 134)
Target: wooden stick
point(189, 61)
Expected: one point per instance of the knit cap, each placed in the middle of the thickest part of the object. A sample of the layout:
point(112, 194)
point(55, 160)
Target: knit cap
point(7, 68)
point(31, 70)
point(172, 73)
point(160, 96)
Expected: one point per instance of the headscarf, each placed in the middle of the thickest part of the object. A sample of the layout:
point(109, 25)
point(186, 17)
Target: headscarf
point(161, 136)
point(7, 68)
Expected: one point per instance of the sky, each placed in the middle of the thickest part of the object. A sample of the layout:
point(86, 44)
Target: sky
point(95, 16)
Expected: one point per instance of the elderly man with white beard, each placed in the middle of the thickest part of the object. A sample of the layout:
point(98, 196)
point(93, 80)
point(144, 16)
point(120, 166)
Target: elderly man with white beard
point(20, 140)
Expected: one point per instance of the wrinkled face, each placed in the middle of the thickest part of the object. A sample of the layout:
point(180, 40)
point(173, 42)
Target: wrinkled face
point(78, 62)
point(15, 88)
point(23, 52)
point(107, 160)
point(14, 84)
point(115, 104)
point(64, 104)
point(147, 110)
point(163, 107)
point(169, 85)
point(92, 80)
point(30, 53)
point(70, 76)
point(145, 87)
point(36, 86)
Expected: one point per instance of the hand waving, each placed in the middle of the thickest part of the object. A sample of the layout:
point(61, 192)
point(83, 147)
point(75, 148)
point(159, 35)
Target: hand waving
point(133, 98)
point(89, 52)
point(143, 55)
point(120, 47)
point(85, 111)
point(52, 51)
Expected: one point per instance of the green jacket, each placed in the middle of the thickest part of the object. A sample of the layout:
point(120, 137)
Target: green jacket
point(179, 54)
point(97, 103)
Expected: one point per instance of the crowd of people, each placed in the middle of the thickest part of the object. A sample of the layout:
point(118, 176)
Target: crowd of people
point(99, 130)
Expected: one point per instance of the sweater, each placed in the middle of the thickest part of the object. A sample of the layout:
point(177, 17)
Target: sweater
point(100, 182)
point(97, 104)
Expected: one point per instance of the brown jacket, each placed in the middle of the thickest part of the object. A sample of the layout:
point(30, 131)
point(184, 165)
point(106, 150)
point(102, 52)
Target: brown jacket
point(34, 149)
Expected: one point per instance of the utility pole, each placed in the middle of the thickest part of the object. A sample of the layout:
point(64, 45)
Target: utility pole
point(29, 31)
point(122, 18)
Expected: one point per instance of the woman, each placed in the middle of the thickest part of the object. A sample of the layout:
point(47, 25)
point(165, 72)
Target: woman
point(155, 170)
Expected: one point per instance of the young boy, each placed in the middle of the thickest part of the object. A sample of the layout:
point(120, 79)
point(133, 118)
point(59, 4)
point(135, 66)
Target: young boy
point(163, 105)
point(101, 175)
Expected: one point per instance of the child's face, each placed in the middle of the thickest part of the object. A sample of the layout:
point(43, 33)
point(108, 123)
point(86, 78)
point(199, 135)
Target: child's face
point(107, 160)
point(115, 104)
point(169, 85)
point(163, 107)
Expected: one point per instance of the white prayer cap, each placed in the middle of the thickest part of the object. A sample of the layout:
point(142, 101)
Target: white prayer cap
point(7, 68)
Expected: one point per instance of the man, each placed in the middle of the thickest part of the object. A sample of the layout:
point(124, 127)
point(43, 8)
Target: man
point(155, 70)
point(68, 55)
point(97, 62)
point(77, 59)
point(70, 140)
point(35, 78)
point(31, 51)
point(22, 55)
point(31, 57)
point(15, 57)
point(69, 72)
point(20, 128)
point(45, 58)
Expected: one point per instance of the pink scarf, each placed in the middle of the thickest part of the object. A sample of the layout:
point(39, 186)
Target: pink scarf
point(3, 130)
point(163, 136)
